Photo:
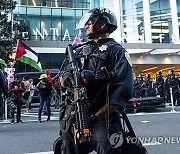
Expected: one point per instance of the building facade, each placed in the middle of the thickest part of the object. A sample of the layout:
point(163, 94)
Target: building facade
point(149, 29)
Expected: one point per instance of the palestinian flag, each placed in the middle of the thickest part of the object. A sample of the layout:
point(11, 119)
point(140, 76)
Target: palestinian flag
point(26, 55)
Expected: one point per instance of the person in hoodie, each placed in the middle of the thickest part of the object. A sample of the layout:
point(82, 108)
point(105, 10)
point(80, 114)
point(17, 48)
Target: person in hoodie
point(44, 87)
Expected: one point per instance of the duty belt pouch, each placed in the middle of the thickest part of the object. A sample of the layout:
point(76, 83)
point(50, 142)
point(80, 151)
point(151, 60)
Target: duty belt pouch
point(66, 119)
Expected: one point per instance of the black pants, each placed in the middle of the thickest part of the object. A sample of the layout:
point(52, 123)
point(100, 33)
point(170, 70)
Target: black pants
point(16, 102)
point(103, 140)
point(1, 106)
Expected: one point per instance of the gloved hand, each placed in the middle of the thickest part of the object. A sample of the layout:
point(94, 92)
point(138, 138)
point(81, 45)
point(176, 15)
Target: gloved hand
point(93, 120)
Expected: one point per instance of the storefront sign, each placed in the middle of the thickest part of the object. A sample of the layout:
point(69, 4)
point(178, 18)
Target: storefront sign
point(54, 32)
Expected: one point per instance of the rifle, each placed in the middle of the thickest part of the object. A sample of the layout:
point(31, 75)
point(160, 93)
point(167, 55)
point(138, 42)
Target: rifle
point(81, 130)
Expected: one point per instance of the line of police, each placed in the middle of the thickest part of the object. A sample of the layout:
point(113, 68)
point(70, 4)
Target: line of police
point(161, 87)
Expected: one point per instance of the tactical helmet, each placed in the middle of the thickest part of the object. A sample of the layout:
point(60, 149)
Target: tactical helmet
point(171, 71)
point(159, 72)
point(99, 15)
point(148, 75)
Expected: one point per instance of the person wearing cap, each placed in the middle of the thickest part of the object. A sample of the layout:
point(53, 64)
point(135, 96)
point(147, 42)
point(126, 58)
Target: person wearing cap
point(16, 91)
point(48, 73)
point(44, 87)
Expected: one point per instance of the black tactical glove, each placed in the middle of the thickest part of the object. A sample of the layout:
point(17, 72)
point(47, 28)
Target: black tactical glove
point(93, 120)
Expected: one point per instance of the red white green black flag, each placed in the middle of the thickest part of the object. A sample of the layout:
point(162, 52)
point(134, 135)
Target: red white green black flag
point(26, 55)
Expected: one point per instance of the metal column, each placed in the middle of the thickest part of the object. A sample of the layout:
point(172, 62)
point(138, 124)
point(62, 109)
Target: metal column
point(175, 27)
point(147, 22)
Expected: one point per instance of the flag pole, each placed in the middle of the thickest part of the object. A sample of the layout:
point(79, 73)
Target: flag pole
point(16, 52)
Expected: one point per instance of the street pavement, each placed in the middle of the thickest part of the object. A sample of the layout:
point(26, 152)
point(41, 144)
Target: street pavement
point(158, 129)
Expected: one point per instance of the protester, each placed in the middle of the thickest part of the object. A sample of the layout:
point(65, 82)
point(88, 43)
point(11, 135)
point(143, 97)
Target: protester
point(32, 89)
point(53, 92)
point(10, 79)
point(44, 87)
point(16, 91)
point(100, 52)
point(27, 92)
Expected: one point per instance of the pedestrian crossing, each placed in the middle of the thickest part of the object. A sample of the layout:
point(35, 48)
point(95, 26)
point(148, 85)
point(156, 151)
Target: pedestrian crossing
point(33, 117)
point(48, 152)
point(51, 152)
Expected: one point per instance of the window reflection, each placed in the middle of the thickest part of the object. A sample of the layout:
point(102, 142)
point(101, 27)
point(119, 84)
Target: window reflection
point(133, 21)
point(160, 17)
point(50, 24)
point(160, 21)
point(57, 3)
point(178, 11)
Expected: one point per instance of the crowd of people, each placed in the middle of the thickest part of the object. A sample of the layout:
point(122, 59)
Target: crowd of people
point(18, 92)
point(145, 86)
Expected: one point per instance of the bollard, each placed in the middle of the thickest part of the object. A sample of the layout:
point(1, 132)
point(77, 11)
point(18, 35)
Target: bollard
point(6, 109)
point(135, 106)
point(172, 104)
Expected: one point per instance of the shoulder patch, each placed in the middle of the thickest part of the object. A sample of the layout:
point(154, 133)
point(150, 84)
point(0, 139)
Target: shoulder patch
point(128, 58)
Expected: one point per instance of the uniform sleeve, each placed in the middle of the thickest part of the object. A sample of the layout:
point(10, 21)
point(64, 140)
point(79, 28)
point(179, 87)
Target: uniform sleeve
point(121, 88)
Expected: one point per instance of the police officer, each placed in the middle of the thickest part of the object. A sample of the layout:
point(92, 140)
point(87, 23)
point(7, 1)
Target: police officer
point(173, 83)
point(159, 84)
point(148, 85)
point(142, 86)
point(103, 51)
point(178, 90)
point(136, 93)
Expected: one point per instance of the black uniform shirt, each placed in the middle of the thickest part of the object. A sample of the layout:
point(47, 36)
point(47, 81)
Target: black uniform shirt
point(110, 54)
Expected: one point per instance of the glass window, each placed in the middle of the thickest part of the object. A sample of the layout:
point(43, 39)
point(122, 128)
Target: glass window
point(159, 7)
point(178, 11)
point(24, 2)
point(56, 12)
point(58, 3)
point(161, 24)
point(178, 8)
point(132, 6)
point(133, 21)
point(68, 23)
point(133, 29)
point(56, 23)
point(161, 29)
point(46, 27)
point(20, 10)
point(45, 11)
point(33, 11)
